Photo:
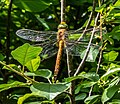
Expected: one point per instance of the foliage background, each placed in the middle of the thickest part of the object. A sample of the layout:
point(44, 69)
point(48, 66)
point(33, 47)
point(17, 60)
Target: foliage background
point(45, 15)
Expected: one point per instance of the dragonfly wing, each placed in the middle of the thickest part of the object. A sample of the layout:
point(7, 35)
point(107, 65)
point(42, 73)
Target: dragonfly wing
point(45, 39)
point(49, 48)
point(79, 49)
point(76, 34)
point(36, 36)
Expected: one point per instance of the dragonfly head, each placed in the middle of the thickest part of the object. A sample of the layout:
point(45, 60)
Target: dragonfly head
point(62, 25)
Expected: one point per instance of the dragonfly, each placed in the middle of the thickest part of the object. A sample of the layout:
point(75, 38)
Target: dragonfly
point(52, 42)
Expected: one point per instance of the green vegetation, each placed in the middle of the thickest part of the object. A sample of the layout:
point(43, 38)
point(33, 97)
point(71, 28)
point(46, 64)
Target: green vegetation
point(26, 74)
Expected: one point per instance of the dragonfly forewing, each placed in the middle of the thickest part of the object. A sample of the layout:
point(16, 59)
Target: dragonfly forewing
point(36, 36)
point(45, 39)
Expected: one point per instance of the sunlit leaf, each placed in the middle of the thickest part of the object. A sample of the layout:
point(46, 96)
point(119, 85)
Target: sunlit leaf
point(49, 91)
point(101, 8)
point(25, 53)
point(33, 64)
point(117, 4)
point(109, 93)
point(109, 73)
point(110, 56)
point(23, 98)
point(11, 85)
point(92, 99)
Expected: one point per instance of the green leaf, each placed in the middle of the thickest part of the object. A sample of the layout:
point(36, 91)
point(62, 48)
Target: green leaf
point(87, 84)
point(25, 53)
point(32, 5)
point(114, 33)
point(74, 36)
point(45, 73)
point(114, 81)
point(33, 64)
point(11, 85)
point(92, 54)
point(115, 101)
point(110, 56)
point(80, 96)
point(90, 75)
point(1, 57)
point(109, 73)
point(101, 8)
point(49, 91)
point(13, 66)
point(92, 99)
point(44, 23)
point(23, 98)
point(109, 93)
point(107, 37)
point(117, 4)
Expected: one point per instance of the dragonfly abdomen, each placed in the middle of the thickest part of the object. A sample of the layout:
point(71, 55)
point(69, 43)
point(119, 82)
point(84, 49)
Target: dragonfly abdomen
point(58, 59)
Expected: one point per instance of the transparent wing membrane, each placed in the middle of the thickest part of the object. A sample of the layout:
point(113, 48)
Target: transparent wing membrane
point(36, 36)
point(47, 40)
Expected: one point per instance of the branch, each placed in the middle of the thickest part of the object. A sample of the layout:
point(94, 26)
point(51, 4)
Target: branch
point(89, 21)
point(88, 48)
point(100, 58)
point(63, 5)
point(17, 72)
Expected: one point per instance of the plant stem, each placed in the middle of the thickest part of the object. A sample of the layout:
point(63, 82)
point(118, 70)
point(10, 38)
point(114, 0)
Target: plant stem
point(21, 74)
point(88, 48)
point(100, 58)
point(8, 32)
point(71, 98)
point(89, 21)
point(63, 5)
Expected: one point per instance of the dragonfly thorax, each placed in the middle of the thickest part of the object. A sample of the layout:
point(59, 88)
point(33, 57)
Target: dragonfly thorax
point(61, 34)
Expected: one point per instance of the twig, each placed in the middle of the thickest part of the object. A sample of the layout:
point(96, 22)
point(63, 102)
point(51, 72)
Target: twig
point(8, 32)
point(88, 48)
point(63, 5)
point(100, 58)
point(68, 62)
point(71, 98)
point(21, 74)
point(89, 21)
